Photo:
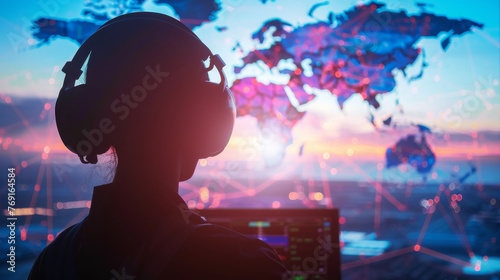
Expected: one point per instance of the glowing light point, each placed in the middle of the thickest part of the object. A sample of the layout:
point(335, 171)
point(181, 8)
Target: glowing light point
point(276, 204)
point(191, 204)
point(50, 237)
point(342, 220)
point(47, 106)
point(416, 248)
point(37, 188)
point(204, 194)
point(318, 196)
point(326, 155)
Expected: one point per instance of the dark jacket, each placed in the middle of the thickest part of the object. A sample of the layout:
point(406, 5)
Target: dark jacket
point(122, 239)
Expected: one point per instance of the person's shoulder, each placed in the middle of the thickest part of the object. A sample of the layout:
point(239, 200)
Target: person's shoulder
point(226, 253)
point(46, 259)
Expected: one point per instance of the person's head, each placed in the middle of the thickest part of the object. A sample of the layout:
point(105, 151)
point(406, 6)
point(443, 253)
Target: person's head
point(146, 94)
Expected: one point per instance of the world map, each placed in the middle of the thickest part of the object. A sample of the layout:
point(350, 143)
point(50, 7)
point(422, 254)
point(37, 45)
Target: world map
point(355, 52)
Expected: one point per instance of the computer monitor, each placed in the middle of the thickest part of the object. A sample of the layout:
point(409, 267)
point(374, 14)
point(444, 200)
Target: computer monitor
point(307, 240)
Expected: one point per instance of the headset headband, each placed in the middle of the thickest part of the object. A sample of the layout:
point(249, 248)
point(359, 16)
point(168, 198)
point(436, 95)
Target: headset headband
point(73, 68)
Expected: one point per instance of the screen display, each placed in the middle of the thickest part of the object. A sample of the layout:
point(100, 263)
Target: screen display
point(306, 240)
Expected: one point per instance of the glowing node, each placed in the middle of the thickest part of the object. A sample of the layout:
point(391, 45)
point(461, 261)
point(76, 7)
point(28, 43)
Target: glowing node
point(8, 100)
point(50, 237)
point(276, 204)
point(24, 163)
point(59, 205)
point(191, 204)
point(204, 194)
point(203, 162)
point(293, 195)
point(46, 149)
point(342, 220)
point(318, 196)
point(46, 106)
point(311, 196)
point(45, 156)
point(37, 188)
point(52, 81)
point(416, 248)
point(333, 171)
point(350, 152)
point(326, 155)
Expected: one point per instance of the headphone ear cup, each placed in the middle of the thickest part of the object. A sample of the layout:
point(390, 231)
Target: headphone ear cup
point(76, 125)
point(210, 119)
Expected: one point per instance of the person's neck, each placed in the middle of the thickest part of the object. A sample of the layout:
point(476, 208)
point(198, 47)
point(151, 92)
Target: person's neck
point(146, 174)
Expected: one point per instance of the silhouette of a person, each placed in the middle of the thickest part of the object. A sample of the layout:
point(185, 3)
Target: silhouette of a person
point(147, 96)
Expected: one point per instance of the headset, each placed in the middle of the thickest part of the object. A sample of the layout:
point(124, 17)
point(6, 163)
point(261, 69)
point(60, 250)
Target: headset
point(208, 118)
